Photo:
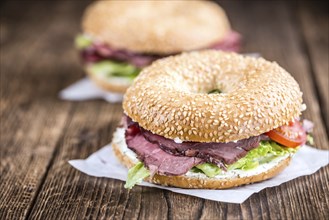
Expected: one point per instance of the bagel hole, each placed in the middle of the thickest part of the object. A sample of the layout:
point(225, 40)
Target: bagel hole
point(215, 91)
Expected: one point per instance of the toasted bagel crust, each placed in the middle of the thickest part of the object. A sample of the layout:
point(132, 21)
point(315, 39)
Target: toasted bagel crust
point(156, 27)
point(208, 183)
point(170, 98)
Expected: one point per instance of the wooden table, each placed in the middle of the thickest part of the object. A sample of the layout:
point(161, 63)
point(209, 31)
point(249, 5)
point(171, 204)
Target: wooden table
point(40, 133)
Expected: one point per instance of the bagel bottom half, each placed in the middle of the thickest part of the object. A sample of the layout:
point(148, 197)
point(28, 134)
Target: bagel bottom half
point(112, 84)
point(128, 158)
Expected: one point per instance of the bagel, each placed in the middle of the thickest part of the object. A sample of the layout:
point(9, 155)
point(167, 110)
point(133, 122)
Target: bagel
point(176, 131)
point(138, 32)
point(156, 27)
point(170, 98)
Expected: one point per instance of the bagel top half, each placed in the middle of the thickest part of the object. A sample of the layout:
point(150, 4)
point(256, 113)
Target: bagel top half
point(170, 98)
point(156, 27)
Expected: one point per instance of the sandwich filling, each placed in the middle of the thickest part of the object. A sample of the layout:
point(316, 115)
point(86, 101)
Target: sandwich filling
point(160, 155)
point(104, 60)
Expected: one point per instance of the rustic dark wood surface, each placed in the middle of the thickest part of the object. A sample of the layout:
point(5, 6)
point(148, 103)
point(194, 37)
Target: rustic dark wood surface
point(40, 133)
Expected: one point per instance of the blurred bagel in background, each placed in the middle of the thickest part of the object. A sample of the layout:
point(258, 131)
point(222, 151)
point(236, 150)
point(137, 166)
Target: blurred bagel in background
point(121, 37)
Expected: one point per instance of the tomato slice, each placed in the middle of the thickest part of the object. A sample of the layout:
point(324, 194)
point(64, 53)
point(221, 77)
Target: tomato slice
point(292, 135)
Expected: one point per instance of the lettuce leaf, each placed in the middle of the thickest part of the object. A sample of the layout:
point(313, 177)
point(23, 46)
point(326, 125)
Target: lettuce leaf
point(267, 151)
point(114, 69)
point(209, 169)
point(82, 41)
point(309, 139)
point(136, 174)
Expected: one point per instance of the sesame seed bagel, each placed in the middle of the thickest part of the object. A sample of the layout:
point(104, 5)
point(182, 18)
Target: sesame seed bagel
point(170, 98)
point(157, 27)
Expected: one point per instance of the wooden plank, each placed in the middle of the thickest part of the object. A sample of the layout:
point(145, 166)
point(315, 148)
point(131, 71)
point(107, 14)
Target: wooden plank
point(183, 206)
point(314, 22)
point(78, 195)
point(27, 146)
point(32, 118)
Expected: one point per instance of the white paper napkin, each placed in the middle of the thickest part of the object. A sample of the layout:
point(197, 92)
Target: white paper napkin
point(307, 160)
point(85, 89)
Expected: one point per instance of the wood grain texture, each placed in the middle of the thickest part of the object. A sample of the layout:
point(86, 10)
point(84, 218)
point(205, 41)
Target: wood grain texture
point(40, 133)
point(79, 195)
point(32, 118)
point(314, 25)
